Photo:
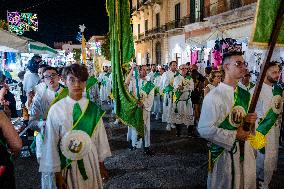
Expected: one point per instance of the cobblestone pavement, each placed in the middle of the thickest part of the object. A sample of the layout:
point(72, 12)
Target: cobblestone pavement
point(178, 163)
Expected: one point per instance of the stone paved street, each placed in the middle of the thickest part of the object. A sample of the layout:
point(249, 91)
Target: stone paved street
point(177, 163)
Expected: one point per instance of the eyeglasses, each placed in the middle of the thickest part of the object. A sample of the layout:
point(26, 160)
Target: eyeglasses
point(50, 76)
point(241, 64)
point(219, 76)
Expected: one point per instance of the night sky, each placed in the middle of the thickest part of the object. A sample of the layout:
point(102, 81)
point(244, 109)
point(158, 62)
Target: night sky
point(59, 19)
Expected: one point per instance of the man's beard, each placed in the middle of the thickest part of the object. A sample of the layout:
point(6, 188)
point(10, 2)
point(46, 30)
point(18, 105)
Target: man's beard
point(271, 80)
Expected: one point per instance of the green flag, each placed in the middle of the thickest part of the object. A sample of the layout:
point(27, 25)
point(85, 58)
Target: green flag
point(122, 51)
point(266, 13)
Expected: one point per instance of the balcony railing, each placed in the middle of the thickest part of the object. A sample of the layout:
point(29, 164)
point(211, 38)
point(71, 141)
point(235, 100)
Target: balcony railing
point(220, 6)
point(180, 23)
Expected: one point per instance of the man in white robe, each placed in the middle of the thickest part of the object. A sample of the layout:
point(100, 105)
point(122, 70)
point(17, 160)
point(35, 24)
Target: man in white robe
point(167, 89)
point(228, 170)
point(266, 160)
point(146, 98)
point(182, 110)
point(158, 102)
point(151, 75)
point(42, 102)
point(90, 149)
point(105, 84)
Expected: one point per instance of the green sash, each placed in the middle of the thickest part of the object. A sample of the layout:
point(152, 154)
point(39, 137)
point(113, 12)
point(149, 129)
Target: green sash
point(148, 87)
point(178, 94)
point(87, 122)
point(266, 124)
point(168, 89)
point(89, 84)
point(63, 93)
point(241, 99)
point(156, 74)
point(251, 85)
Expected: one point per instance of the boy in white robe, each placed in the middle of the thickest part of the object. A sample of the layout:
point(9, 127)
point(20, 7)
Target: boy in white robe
point(221, 123)
point(167, 89)
point(42, 102)
point(269, 99)
point(75, 143)
point(182, 110)
point(146, 98)
point(105, 84)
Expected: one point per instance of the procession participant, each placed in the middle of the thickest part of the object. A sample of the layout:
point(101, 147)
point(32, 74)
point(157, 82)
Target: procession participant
point(75, 143)
point(245, 82)
point(223, 113)
point(182, 111)
point(268, 108)
point(40, 87)
point(105, 87)
point(157, 105)
point(214, 80)
point(153, 73)
point(145, 95)
point(167, 89)
point(42, 102)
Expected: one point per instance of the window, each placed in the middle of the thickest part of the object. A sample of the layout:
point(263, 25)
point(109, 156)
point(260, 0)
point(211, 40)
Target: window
point(177, 11)
point(146, 25)
point(177, 15)
point(138, 29)
point(192, 11)
point(158, 53)
point(158, 20)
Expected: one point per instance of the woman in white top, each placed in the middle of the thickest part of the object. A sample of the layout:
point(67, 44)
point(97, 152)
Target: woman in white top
point(214, 79)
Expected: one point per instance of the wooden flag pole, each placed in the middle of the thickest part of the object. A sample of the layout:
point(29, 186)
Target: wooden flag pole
point(271, 44)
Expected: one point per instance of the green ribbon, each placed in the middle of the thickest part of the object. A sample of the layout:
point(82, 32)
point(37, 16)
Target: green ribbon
point(87, 122)
point(148, 87)
point(178, 94)
point(266, 124)
point(156, 74)
point(89, 84)
point(168, 89)
point(177, 74)
point(63, 93)
point(241, 98)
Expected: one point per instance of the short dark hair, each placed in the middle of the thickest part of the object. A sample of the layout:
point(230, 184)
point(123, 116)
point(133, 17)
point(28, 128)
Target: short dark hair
point(208, 70)
point(21, 74)
point(49, 68)
point(60, 70)
point(273, 63)
point(43, 66)
point(79, 71)
point(171, 62)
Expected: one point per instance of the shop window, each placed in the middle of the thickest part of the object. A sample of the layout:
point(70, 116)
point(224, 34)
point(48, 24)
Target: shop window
point(158, 20)
point(146, 25)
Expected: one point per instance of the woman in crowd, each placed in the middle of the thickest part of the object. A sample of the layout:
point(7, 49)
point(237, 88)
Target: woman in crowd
point(214, 79)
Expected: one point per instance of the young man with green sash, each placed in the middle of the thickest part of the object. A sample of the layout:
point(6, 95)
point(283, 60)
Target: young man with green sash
point(42, 101)
point(143, 90)
point(223, 113)
point(75, 143)
point(167, 89)
point(182, 110)
point(268, 108)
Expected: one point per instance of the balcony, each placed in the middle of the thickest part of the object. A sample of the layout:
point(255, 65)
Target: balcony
point(178, 24)
point(221, 6)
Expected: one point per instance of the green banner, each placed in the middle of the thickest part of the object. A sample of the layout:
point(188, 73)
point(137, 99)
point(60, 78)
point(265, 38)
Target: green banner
point(122, 51)
point(264, 21)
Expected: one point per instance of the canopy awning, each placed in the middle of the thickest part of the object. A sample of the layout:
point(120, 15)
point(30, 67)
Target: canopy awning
point(40, 48)
point(10, 42)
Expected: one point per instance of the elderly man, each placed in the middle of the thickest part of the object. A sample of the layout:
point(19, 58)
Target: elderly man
point(167, 90)
point(182, 111)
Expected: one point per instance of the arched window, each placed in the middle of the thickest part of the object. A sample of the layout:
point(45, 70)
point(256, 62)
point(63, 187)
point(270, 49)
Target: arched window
point(158, 53)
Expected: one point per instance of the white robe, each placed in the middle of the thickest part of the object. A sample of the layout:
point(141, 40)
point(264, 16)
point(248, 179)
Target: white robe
point(38, 114)
point(216, 106)
point(105, 90)
point(267, 163)
point(151, 76)
point(167, 78)
point(157, 105)
point(59, 122)
point(184, 114)
point(147, 100)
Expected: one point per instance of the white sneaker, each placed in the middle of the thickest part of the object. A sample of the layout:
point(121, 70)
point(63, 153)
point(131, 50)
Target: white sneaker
point(262, 185)
point(173, 126)
point(157, 117)
point(168, 128)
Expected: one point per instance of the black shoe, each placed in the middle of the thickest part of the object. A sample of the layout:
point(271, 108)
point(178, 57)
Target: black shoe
point(148, 152)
